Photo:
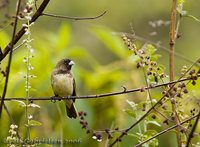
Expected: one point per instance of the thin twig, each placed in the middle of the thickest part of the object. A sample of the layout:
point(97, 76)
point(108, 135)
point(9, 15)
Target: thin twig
point(172, 39)
point(98, 95)
point(193, 129)
point(10, 58)
point(74, 18)
point(35, 3)
point(22, 31)
point(21, 44)
point(166, 130)
point(163, 115)
point(147, 85)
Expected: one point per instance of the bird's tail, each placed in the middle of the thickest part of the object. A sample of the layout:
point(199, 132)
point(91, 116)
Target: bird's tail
point(71, 111)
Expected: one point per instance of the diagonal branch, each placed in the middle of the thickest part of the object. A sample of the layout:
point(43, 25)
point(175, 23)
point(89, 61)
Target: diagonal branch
point(10, 57)
point(193, 129)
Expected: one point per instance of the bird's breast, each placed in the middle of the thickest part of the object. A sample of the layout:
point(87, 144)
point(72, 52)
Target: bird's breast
point(62, 84)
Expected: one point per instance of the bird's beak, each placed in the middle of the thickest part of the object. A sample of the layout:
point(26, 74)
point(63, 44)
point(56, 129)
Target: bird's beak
point(71, 63)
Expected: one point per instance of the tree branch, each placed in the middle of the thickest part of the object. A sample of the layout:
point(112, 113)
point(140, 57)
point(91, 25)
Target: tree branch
point(74, 18)
point(171, 63)
point(101, 95)
point(172, 39)
point(193, 129)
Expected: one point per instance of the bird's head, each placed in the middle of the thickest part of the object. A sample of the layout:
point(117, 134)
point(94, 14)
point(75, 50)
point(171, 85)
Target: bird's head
point(65, 64)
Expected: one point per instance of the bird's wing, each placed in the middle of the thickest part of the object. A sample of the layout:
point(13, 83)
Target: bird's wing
point(74, 89)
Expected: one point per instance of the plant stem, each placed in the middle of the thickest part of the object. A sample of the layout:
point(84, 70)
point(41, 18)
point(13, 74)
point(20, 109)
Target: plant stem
point(172, 39)
point(27, 80)
point(11, 45)
point(173, 34)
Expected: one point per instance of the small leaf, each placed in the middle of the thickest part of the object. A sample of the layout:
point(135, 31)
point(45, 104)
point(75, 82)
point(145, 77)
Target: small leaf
point(33, 105)
point(154, 122)
point(21, 103)
point(34, 123)
point(150, 133)
point(180, 2)
point(141, 105)
point(150, 49)
point(155, 57)
point(134, 135)
point(193, 17)
point(181, 11)
point(130, 112)
point(132, 104)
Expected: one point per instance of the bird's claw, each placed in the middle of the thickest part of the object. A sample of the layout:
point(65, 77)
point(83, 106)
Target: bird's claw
point(53, 99)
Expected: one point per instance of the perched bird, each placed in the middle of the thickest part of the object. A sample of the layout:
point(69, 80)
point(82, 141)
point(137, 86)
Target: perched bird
point(63, 84)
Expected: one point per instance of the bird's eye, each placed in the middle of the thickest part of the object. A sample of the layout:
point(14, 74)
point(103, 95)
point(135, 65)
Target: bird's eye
point(66, 61)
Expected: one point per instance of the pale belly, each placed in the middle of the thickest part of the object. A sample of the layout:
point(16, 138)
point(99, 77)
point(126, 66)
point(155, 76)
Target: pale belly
point(62, 85)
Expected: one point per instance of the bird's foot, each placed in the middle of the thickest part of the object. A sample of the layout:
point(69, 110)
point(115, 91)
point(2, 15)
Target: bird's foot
point(54, 98)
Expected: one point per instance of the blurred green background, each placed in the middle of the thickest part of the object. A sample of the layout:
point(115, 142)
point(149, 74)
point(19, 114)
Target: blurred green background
point(102, 63)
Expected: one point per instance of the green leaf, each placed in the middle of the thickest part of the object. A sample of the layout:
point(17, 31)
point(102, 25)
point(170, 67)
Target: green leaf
point(141, 105)
point(150, 49)
point(155, 57)
point(130, 112)
point(21, 103)
point(34, 123)
point(132, 104)
point(153, 122)
point(150, 133)
point(33, 105)
point(134, 135)
point(181, 11)
point(180, 2)
point(193, 17)
point(31, 1)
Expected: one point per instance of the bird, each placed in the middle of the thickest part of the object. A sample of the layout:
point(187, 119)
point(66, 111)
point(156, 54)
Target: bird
point(63, 84)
